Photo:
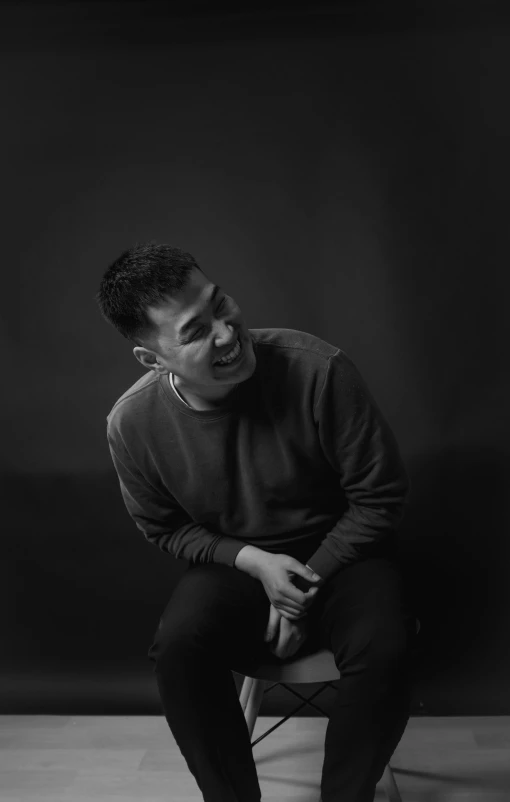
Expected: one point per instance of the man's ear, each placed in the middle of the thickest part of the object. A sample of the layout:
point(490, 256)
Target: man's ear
point(148, 359)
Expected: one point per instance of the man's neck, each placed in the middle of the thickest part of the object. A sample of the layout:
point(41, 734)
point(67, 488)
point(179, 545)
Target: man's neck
point(195, 401)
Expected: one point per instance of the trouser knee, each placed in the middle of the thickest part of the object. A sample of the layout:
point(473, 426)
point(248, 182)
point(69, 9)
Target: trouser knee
point(378, 654)
point(172, 650)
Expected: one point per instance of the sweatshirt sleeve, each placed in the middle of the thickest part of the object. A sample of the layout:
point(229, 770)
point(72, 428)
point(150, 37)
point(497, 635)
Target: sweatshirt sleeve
point(360, 446)
point(163, 521)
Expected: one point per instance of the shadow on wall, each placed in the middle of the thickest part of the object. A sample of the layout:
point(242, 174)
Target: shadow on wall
point(88, 591)
point(454, 547)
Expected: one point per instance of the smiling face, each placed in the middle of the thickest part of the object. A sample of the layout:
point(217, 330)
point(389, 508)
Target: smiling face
point(192, 331)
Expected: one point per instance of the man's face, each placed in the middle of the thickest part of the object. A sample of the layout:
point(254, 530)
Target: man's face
point(194, 330)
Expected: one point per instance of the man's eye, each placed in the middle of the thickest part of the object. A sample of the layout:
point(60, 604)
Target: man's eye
point(195, 334)
point(201, 329)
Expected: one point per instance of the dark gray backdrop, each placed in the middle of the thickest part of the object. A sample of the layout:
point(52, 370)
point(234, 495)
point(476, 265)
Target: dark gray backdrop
point(341, 174)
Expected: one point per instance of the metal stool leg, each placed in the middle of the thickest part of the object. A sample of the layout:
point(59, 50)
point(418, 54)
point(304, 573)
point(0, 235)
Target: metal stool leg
point(245, 692)
point(390, 786)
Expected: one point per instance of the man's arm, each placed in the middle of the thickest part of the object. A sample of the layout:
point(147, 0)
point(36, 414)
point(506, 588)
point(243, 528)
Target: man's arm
point(162, 520)
point(360, 446)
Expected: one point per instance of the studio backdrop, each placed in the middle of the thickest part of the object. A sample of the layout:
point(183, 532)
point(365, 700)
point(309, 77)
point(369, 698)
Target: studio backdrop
point(346, 180)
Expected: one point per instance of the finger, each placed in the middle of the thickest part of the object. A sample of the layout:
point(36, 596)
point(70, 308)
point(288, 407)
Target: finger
point(311, 594)
point(293, 604)
point(293, 596)
point(291, 616)
point(282, 603)
point(285, 613)
point(303, 571)
point(273, 624)
point(310, 597)
point(286, 609)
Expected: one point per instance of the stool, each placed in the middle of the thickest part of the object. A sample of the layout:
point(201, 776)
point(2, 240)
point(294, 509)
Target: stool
point(316, 667)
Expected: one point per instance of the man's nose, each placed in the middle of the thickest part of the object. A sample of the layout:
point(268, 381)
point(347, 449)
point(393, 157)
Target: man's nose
point(225, 332)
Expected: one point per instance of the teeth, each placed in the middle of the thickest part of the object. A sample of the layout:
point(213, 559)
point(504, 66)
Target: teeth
point(232, 355)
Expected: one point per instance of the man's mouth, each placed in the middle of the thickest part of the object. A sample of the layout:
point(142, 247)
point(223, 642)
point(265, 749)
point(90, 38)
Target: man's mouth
point(233, 355)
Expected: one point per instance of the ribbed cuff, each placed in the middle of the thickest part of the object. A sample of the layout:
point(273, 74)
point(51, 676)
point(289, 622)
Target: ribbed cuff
point(227, 550)
point(324, 564)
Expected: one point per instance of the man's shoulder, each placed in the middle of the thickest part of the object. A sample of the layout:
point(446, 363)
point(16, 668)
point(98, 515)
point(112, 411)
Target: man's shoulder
point(302, 344)
point(134, 400)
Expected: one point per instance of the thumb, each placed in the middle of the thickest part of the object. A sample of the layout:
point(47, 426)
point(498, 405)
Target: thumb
point(304, 571)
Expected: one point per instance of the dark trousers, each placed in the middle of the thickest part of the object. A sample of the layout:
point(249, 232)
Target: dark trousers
point(215, 623)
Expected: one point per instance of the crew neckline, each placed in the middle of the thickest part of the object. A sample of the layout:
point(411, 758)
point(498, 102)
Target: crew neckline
point(176, 391)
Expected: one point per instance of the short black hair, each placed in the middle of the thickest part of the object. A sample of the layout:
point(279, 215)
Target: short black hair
point(144, 275)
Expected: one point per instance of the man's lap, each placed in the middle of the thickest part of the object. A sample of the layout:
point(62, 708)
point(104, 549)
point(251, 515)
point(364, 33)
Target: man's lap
point(230, 609)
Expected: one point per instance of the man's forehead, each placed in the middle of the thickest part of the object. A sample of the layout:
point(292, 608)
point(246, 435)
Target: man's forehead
point(171, 313)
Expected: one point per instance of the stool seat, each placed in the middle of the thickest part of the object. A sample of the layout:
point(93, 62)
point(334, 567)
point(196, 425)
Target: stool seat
point(316, 667)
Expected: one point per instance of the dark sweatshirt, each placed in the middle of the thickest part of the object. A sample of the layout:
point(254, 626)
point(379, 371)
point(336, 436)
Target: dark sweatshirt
point(298, 460)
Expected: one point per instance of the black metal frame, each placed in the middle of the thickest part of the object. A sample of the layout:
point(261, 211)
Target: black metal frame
point(299, 707)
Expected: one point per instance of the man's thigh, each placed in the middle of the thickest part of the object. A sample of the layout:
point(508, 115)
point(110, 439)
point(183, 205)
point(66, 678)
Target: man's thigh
point(217, 607)
point(361, 602)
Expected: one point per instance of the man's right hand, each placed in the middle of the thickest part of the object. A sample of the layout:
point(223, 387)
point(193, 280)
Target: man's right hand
point(275, 572)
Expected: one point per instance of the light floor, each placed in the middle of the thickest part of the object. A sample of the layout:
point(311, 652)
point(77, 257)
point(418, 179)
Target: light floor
point(135, 759)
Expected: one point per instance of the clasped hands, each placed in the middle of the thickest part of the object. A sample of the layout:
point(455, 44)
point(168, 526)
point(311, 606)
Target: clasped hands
point(288, 625)
point(283, 636)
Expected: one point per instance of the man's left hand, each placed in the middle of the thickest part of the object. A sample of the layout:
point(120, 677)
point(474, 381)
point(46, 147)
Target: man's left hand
point(285, 636)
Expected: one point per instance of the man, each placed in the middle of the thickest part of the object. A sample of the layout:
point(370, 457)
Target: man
point(261, 458)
